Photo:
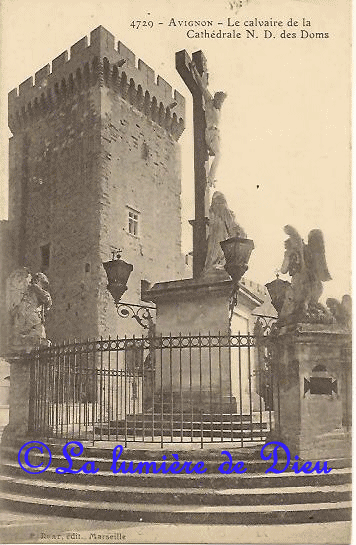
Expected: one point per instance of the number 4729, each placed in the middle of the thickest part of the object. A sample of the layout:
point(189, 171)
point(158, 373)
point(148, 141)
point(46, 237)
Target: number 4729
point(138, 24)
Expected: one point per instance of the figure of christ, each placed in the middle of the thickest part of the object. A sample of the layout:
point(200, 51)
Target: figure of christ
point(212, 107)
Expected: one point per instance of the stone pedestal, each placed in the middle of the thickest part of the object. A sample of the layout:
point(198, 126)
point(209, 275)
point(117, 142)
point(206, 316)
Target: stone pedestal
point(312, 400)
point(19, 399)
point(202, 378)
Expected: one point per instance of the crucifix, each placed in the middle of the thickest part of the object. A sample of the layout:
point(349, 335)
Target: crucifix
point(201, 154)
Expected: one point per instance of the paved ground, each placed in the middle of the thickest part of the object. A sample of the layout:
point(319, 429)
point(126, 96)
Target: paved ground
point(18, 528)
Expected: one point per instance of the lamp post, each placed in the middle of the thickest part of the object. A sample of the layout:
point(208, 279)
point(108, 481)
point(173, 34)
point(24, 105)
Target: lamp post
point(237, 252)
point(118, 272)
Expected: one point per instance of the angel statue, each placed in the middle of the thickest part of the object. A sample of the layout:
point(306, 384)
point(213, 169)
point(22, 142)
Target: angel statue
point(342, 311)
point(222, 225)
point(306, 264)
point(27, 300)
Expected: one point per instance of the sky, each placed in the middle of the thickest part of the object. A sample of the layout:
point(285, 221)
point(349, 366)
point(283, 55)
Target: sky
point(285, 126)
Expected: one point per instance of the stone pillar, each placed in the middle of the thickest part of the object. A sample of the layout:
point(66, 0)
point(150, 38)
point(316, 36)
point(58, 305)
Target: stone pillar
point(19, 399)
point(193, 307)
point(312, 396)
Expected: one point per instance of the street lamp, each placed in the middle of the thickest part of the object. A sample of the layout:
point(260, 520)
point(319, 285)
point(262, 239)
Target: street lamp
point(118, 272)
point(237, 252)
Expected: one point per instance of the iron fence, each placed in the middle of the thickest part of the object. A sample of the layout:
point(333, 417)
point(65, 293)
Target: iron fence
point(202, 388)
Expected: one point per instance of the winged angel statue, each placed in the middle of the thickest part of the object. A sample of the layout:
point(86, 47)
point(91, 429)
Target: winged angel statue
point(306, 264)
point(27, 300)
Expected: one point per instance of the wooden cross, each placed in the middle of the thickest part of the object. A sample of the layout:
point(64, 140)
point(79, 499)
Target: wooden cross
point(201, 157)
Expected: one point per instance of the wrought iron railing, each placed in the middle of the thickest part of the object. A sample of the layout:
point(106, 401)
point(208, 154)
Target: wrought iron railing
point(203, 388)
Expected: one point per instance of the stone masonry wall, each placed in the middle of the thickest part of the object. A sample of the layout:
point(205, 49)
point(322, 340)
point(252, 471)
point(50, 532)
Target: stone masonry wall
point(62, 209)
point(95, 135)
point(141, 171)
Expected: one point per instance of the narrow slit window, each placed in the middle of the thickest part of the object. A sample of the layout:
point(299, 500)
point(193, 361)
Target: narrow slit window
point(45, 256)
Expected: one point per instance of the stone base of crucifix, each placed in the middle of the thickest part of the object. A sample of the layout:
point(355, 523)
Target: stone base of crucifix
point(197, 379)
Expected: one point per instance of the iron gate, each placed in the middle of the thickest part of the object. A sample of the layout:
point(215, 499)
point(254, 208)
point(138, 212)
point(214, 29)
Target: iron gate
point(204, 388)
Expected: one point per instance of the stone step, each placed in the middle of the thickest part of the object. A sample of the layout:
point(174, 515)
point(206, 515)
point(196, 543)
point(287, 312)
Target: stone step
point(189, 416)
point(146, 450)
point(176, 496)
point(58, 460)
point(253, 497)
point(245, 424)
point(167, 432)
point(248, 480)
point(192, 514)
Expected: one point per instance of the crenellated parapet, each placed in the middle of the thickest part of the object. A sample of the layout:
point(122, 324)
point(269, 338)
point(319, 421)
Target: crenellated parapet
point(97, 63)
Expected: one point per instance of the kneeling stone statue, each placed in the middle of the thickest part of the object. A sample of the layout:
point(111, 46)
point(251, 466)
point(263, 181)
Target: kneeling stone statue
point(222, 226)
point(27, 300)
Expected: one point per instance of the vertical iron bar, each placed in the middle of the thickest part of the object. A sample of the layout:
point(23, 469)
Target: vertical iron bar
point(259, 371)
point(240, 393)
point(278, 395)
point(210, 393)
point(35, 395)
point(162, 390)
point(67, 388)
point(79, 374)
point(94, 374)
point(191, 388)
point(48, 353)
point(153, 365)
point(73, 373)
point(45, 392)
point(58, 386)
point(109, 385)
point(134, 386)
point(116, 416)
point(88, 391)
point(269, 385)
point(171, 385)
point(143, 388)
point(200, 395)
point(62, 378)
point(180, 387)
point(125, 378)
point(32, 394)
point(249, 382)
point(101, 397)
point(220, 391)
point(230, 390)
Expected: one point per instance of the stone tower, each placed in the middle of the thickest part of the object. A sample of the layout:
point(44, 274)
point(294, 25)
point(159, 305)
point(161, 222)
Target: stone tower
point(94, 167)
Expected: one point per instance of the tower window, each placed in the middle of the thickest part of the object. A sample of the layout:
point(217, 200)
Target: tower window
point(133, 222)
point(45, 255)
